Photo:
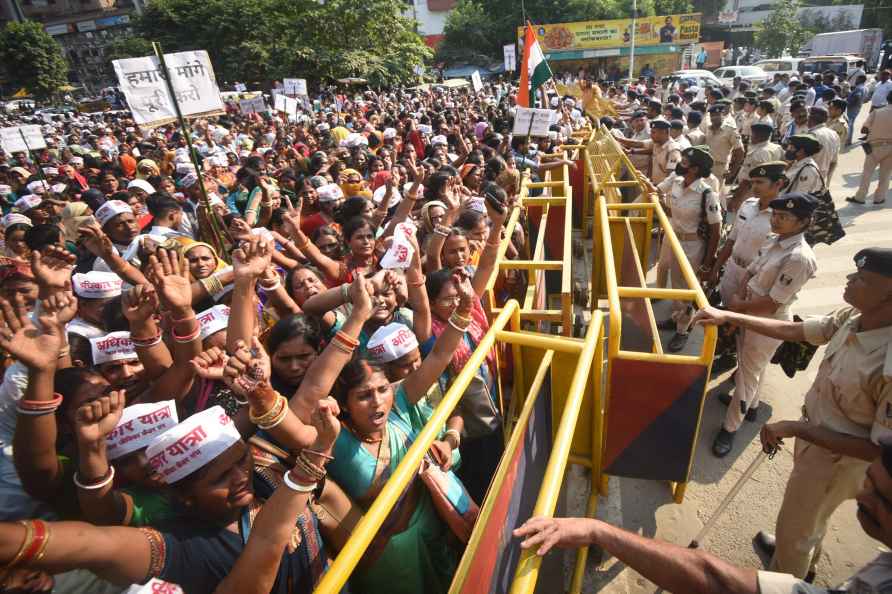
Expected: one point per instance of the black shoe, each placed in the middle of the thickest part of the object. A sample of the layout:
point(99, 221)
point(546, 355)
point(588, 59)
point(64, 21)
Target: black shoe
point(725, 399)
point(809, 577)
point(723, 364)
point(666, 324)
point(752, 414)
point(677, 343)
point(723, 443)
point(766, 543)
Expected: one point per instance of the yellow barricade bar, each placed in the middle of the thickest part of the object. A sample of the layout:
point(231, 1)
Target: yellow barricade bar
point(339, 572)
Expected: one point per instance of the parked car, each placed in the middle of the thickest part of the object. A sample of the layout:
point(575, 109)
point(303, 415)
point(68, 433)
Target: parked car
point(19, 105)
point(788, 66)
point(842, 65)
point(702, 78)
point(751, 74)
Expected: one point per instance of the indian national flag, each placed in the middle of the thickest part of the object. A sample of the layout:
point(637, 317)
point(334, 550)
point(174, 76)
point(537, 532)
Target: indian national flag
point(533, 72)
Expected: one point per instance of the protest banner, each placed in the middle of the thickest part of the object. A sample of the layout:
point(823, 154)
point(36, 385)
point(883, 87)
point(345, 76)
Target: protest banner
point(477, 81)
point(295, 86)
point(532, 122)
point(253, 105)
point(21, 139)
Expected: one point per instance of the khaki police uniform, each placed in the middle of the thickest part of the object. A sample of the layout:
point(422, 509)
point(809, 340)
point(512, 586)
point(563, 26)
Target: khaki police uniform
point(804, 176)
point(696, 136)
point(664, 159)
point(722, 143)
point(685, 204)
point(873, 578)
point(757, 154)
point(851, 394)
point(751, 227)
point(781, 269)
point(829, 153)
point(640, 161)
point(841, 126)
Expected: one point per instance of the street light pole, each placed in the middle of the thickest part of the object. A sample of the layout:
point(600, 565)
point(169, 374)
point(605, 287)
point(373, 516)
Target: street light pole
point(632, 46)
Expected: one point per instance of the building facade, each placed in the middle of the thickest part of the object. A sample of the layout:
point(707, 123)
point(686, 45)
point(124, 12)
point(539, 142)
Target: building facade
point(84, 29)
point(431, 16)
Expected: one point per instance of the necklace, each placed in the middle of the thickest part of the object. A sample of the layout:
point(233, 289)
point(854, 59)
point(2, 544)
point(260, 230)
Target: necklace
point(364, 438)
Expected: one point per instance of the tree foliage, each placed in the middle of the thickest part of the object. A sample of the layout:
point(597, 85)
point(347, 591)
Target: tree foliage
point(476, 30)
point(781, 33)
point(32, 58)
point(264, 40)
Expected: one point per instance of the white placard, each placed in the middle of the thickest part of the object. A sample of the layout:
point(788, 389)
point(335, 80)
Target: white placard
point(253, 105)
point(279, 102)
point(11, 138)
point(291, 106)
point(510, 57)
point(476, 81)
point(540, 119)
point(240, 87)
point(192, 78)
point(295, 86)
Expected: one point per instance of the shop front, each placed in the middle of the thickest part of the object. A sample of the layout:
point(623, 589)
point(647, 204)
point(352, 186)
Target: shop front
point(602, 49)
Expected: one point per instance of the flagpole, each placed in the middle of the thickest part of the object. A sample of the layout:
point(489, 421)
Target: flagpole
point(204, 203)
point(632, 47)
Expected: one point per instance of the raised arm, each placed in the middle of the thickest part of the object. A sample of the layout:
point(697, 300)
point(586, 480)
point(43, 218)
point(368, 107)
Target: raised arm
point(250, 261)
point(487, 263)
point(256, 568)
point(99, 244)
point(419, 381)
point(418, 300)
point(323, 372)
point(435, 245)
point(34, 441)
point(93, 422)
point(140, 304)
point(330, 267)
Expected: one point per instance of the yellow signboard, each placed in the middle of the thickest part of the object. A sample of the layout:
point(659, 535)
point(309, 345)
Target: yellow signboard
point(678, 29)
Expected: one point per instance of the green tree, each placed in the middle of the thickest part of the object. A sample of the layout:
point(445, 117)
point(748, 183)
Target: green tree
point(263, 40)
point(476, 30)
point(781, 32)
point(32, 58)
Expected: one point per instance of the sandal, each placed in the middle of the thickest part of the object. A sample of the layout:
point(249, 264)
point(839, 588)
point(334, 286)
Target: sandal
point(855, 200)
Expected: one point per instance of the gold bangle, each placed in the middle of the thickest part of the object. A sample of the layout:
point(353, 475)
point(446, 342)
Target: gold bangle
point(272, 414)
point(45, 544)
point(26, 544)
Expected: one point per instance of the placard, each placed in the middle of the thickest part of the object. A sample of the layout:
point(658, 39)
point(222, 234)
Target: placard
point(253, 105)
point(510, 51)
point(476, 81)
point(525, 116)
point(295, 86)
point(11, 138)
point(192, 76)
point(279, 102)
point(291, 106)
point(240, 87)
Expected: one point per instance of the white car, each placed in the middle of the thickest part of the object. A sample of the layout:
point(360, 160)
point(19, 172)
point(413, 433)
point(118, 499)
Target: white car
point(751, 74)
point(702, 78)
point(788, 66)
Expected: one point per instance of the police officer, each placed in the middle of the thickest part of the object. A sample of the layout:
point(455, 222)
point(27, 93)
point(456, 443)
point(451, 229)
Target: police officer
point(761, 150)
point(664, 151)
point(803, 174)
point(689, 199)
point(784, 264)
point(847, 416)
point(829, 153)
point(751, 227)
point(724, 144)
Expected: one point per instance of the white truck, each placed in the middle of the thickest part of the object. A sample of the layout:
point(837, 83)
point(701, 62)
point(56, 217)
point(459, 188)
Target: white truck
point(865, 43)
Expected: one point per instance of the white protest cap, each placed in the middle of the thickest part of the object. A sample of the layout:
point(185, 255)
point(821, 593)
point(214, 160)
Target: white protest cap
point(5, 190)
point(378, 196)
point(425, 129)
point(194, 443)
point(439, 139)
point(15, 218)
point(114, 346)
point(329, 193)
point(58, 188)
point(75, 161)
point(110, 210)
point(139, 425)
point(355, 139)
point(38, 187)
point(555, 101)
point(213, 320)
point(27, 202)
point(141, 184)
point(51, 171)
point(185, 168)
point(189, 180)
point(96, 284)
point(477, 204)
point(391, 342)
point(389, 133)
point(323, 127)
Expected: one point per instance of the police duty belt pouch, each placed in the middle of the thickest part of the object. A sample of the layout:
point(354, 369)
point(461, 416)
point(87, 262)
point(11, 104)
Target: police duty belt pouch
point(825, 226)
point(794, 356)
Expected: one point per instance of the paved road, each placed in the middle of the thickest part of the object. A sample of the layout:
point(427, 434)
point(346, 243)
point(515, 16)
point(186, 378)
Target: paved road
point(647, 507)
